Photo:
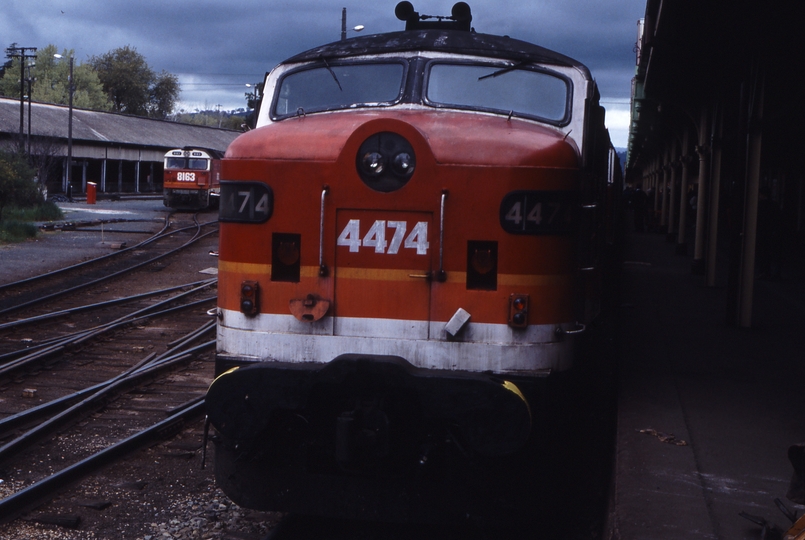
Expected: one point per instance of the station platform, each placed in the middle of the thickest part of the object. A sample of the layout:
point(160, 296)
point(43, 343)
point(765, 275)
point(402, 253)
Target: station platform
point(706, 411)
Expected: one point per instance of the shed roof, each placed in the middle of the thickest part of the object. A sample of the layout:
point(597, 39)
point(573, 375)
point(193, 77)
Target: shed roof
point(110, 129)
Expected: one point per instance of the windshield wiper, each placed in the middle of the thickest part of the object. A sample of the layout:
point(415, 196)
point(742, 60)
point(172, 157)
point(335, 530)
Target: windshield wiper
point(323, 59)
point(501, 71)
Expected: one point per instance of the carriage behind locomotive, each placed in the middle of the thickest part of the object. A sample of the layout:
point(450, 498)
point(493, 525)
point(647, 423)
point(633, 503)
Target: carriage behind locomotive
point(413, 242)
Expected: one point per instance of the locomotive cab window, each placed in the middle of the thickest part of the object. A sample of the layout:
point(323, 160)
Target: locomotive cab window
point(197, 164)
point(175, 163)
point(331, 86)
point(500, 88)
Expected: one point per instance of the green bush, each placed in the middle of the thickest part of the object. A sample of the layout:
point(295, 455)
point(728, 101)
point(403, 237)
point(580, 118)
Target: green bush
point(16, 231)
point(16, 223)
point(16, 182)
point(21, 201)
point(46, 211)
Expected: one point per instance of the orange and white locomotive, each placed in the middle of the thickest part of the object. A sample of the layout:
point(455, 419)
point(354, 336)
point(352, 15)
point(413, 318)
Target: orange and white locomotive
point(410, 248)
point(191, 179)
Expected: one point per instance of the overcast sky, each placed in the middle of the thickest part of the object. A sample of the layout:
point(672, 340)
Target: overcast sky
point(216, 48)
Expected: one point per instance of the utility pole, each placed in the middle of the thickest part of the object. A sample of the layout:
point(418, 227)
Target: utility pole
point(30, 81)
point(22, 53)
point(71, 90)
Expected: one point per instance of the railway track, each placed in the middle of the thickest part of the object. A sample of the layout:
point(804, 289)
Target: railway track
point(96, 381)
point(39, 290)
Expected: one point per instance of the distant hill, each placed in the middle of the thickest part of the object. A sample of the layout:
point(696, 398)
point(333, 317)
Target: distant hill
point(215, 118)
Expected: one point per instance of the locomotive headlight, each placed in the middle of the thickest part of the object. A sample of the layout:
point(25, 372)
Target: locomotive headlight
point(518, 310)
point(373, 163)
point(385, 161)
point(403, 164)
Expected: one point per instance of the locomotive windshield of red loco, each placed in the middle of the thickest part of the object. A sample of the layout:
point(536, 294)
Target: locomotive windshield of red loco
point(195, 164)
point(522, 92)
point(339, 86)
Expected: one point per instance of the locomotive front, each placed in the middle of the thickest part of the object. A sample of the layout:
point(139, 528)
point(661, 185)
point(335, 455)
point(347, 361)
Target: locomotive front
point(191, 178)
point(399, 270)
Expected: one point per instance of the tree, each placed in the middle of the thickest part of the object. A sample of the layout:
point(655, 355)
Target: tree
point(132, 86)
point(164, 93)
point(7, 65)
point(50, 81)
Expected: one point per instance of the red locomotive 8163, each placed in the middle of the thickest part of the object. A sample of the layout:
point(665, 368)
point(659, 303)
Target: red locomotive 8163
point(411, 247)
point(191, 180)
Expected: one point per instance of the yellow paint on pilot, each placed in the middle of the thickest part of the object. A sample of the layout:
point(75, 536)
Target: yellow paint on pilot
point(227, 372)
point(511, 387)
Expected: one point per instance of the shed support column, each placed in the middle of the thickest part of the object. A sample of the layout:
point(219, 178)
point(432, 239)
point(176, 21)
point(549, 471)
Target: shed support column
point(655, 186)
point(120, 176)
point(701, 198)
point(747, 283)
point(715, 199)
point(64, 176)
point(681, 243)
point(674, 164)
point(137, 177)
point(664, 212)
point(84, 176)
point(800, 205)
point(103, 175)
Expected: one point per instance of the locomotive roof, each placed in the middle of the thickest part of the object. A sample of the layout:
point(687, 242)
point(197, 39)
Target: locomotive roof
point(448, 41)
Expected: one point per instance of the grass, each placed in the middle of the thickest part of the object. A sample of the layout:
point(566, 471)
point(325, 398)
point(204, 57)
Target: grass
point(17, 224)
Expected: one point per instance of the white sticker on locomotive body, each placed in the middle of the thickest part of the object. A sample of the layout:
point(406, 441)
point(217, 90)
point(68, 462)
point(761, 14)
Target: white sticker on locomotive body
point(375, 237)
point(186, 177)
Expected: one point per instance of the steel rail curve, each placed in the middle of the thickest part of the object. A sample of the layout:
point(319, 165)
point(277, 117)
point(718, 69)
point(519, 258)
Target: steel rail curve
point(51, 346)
point(82, 264)
point(144, 367)
point(198, 236)
point(46, 489)
point(97, 305)
point(96, 399)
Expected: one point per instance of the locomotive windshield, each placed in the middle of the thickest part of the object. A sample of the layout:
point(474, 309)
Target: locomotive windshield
point(339, 86)
point(195, 164)
point(522, 92)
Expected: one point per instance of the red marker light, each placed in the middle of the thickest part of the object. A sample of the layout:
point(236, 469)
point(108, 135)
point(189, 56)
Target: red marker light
point(518, 310)
point(249, 298)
